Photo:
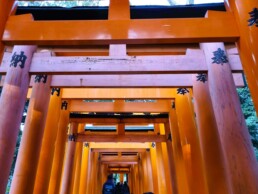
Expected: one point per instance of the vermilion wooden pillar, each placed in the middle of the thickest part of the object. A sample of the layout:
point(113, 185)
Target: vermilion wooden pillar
point(84, 169)
point(161, 171)
point(214, 163)
point(142, 163)
point(88, 183)
point(165, 161)
point(69, 161)
point(98, 177)
point(25, 172)
point(78, 160)
point(154, 166)
point(12, 101)
point(136, 178)
point(149, 170)
point(61, 139)
point(140, 177)
point(48, 143)
point(190, 144)
point(160, 165)
point(132, 179)
point(235, 139)
point(182, 183)
point(171, 161)
point(94, 172)
point(248, 41)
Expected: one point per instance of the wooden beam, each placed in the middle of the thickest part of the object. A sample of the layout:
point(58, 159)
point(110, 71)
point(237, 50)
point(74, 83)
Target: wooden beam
point(121, 106)
point(118, 149)
point(122, 158)
point(117, 159)
point(179, 64)
point(145, 31)
point(126, 81)
point(119, 162)
point(118, 145)
point(117, 120)
point(118, 171)
point(120, 138)
point(130, 81)
point(116, 93)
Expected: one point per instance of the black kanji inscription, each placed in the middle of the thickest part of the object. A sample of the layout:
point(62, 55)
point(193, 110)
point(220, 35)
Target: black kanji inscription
point(182, 91)
point(253, 17)
point(72, 137)
point(39, 78)
point(18, 60)
point(57, 90)
point(64, 105)
point(219, 57)
point(202, 77)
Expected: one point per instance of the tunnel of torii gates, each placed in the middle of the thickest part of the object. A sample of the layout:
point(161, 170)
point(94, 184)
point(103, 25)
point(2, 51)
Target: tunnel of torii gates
point(200, 143)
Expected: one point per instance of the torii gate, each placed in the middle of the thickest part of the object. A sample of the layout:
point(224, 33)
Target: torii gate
point(226, 160)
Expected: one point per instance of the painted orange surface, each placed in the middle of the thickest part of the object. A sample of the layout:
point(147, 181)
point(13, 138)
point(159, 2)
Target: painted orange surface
point(24, 175)
point(235, 139)
point(148, 31)
point(247, 44)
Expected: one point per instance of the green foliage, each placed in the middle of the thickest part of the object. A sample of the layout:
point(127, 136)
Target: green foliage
point(250, 116)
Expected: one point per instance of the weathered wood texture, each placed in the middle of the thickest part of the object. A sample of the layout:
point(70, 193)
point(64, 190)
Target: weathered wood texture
point(214, 162)
point(93, 65)
point(130, 31)
point(130, 81)
point(235, 139)
point(12, 100)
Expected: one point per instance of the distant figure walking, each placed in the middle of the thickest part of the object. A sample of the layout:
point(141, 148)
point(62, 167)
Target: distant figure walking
point(118, 188)
point(108, 187)
point(126, 189)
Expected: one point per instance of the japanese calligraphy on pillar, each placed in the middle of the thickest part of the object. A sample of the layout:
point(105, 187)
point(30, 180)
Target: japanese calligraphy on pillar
point(253, 17)
point(39, 78)
point(202, 77)
point(182, 91)
point(220, 57)
point(18, 60)
point(64, 105)
point(55, 90)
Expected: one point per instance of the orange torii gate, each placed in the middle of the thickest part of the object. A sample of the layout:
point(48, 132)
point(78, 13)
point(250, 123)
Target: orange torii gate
point(231, 145)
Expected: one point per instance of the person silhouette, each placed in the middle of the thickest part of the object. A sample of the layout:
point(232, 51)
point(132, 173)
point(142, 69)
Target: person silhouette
point(126, 189)
point(108, 187)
